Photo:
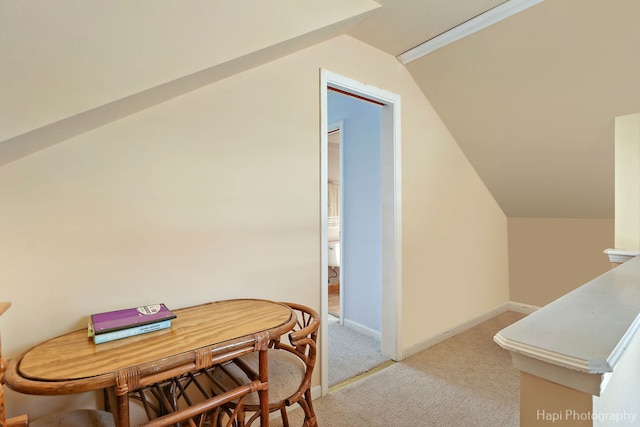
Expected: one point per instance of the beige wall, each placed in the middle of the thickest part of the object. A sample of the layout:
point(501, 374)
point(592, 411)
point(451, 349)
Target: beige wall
point(215, 194)
point(544, 403)
point(627, 182)
point(129, 47)
point(549, 257)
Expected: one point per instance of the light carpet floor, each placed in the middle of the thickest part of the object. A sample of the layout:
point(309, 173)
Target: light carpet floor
point(351, 353)
point(467, 380)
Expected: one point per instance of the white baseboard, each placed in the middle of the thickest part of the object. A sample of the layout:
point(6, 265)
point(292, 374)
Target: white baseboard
point(521, 308)
point(316, 392)
point(507, 306)
point(362, 329)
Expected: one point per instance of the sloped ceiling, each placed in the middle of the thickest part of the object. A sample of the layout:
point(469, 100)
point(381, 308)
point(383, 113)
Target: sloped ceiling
point(531, 100)
point(68, 66)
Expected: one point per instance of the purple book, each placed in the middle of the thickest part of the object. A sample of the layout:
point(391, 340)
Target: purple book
point(130, 317)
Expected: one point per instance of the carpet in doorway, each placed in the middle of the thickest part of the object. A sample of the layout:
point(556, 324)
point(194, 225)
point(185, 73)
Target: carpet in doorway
point(351, 353)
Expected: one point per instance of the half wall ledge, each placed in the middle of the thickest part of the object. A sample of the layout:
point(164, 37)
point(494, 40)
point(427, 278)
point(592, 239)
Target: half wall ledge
point(579, 354)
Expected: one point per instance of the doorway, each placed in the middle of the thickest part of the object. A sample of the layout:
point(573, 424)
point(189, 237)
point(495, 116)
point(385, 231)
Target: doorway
point(389, 219)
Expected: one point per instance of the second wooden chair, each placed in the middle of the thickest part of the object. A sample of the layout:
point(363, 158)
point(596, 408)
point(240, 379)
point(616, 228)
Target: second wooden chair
point(290, 371)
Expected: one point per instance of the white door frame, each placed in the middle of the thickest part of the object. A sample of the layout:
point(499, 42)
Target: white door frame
point(338, 126)
point(391, 214)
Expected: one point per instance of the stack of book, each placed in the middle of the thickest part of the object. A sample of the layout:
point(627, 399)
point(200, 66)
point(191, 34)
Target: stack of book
point(114, 325)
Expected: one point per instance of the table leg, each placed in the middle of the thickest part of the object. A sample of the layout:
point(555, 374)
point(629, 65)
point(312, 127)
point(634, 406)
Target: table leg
point(122, 411)
point(114, 404)
point(264, 393)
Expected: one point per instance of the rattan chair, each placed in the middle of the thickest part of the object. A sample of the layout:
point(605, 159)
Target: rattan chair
point(290, 370)
point(76, 418)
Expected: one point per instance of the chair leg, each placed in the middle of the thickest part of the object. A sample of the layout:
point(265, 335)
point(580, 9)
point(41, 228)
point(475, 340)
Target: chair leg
point(285, 417)
point(233, 416)
point(307, 396)
point(240, 419)
point(225, 418)
point(307, 406)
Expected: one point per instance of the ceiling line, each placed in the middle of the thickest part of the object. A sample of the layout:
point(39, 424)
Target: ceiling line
point(477, 23)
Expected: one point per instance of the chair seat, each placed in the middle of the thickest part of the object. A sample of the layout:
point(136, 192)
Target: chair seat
point(286, 372)
point(77, 418)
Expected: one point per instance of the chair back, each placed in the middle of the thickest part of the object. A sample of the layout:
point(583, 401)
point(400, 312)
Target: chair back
point(302, 342)
point(290, 373)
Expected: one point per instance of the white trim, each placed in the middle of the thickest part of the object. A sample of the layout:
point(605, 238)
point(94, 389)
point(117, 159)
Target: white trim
point(391, 181)
point(435, 339)
point(324, 236)
point(521, 308)
point(589, 366)
point(620, 255)
point(391, 340)
point(552, 357)
point(339, 125)
point(361, 329)
point(484, 20)
point(587, 383)
point(316, 392)
point(358, 88)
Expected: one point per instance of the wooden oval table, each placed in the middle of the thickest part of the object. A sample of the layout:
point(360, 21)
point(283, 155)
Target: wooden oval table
point(199, 338)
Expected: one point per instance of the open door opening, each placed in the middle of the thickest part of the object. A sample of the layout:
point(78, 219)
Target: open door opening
point(389, 219)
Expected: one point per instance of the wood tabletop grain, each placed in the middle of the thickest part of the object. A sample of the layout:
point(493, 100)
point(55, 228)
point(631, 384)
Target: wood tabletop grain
point(74, 356)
